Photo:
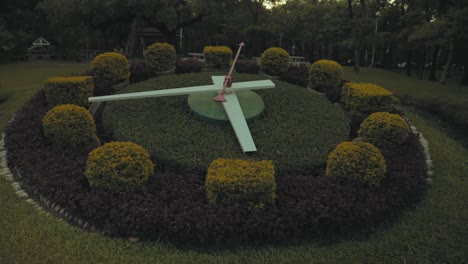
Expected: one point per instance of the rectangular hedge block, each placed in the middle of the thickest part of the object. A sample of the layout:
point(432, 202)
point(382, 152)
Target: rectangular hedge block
point(241, 183)
point(69, 90)
point(366, 98)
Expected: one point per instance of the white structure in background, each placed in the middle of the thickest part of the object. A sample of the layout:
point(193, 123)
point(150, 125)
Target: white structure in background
point(39, 49)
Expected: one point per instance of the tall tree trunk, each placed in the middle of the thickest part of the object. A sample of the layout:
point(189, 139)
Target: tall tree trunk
point(421, 59)
point(432, 73)
point(350, 8)
point(448, 64)
point(357, 57)
point(408, 62)
point(130, 47)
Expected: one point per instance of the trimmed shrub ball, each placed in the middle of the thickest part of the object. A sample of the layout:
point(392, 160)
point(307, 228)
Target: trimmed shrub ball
point(160, 56)
point(241, 183)
point(274, 61)
point(111, 66)
point(325, 72)
point(217, 56)
point(68, 90)
point(384, 129)
point(119, 166)
point(359, 161)
point(69, 125)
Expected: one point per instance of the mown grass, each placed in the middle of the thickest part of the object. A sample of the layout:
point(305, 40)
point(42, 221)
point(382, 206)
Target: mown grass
point(436, 231)
point(404, 85)
point(20, 81)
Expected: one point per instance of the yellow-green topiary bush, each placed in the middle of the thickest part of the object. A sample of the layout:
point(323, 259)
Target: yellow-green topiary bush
point(241, 183)
point(69, 125)
point(325, 72)
point(68, 90)
point(160, 56)
point(111, 66)
point(217, 56)
point(359, 161)
point(274, 61)
point(366, 98)
point(119, 166)
point(384, 129)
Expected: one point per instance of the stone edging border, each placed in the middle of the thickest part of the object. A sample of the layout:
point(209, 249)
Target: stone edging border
point(39, 202)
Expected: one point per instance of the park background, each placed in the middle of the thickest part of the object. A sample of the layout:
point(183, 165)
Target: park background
point(429, 34)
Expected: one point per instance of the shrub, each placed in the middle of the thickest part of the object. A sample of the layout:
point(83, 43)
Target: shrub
point(69, 125)
point(111, 66)
point(325, 72)
point(119, 166)
point(217, 56)
point(247, 66)
point(188, 66)
point(296, 75)
point(103, 87)
point(241, 183)
point(274, 61)
point(160, 56)
point(366, 98)
point(332, 92)
point(360, 161)
point(384, 129)
point(68, 90)
point(139, 72)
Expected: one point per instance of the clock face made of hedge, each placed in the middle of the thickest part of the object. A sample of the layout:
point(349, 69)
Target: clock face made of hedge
point(231, 105)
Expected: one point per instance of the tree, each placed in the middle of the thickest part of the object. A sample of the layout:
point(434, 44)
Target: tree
point(168, 16)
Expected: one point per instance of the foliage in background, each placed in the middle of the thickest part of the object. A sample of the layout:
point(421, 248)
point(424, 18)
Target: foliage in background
point(297, 75)
point(139, 72)
point(69, 90)
point(247, 66)
point(188, 66)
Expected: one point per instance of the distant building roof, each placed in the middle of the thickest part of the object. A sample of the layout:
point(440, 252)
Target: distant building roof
point(41, 42)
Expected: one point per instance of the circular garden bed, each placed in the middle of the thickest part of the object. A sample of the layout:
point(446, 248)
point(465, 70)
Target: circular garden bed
point(297, 131)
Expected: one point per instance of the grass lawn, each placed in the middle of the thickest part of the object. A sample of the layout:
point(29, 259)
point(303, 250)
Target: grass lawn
point(20, 81)
point(436, 231)
point(403, 85)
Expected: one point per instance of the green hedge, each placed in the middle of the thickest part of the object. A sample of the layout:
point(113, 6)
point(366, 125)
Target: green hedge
point(274, 61)
point(119, 166)
point(241, 183)
point(111, 66)
point(161, 56)
point(217, 56)
point(69, 90)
